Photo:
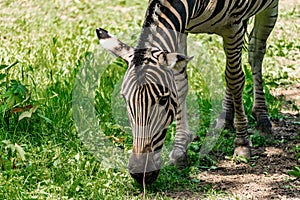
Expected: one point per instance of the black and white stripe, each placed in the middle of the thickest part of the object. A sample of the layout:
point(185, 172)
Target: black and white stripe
point(155, 85)
point(166, 19)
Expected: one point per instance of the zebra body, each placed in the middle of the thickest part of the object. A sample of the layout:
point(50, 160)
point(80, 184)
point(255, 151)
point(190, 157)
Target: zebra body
point(231, 14)
point(155, 84)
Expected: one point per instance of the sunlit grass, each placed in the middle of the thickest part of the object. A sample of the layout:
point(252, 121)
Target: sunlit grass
point(51, 41)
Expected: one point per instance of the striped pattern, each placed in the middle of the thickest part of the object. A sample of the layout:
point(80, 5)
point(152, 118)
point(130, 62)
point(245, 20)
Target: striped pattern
point(151, 101)
point(155, 85)
point(165, 26)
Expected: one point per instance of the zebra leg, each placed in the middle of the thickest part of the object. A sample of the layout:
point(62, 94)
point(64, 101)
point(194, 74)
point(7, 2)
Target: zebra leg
point(225, 119)
point(183, 137)
point(263, 25)
point(235, 80)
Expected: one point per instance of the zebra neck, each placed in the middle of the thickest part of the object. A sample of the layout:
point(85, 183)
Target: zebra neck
point(165, 24)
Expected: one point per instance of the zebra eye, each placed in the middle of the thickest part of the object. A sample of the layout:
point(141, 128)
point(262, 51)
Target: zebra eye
point(163, 100)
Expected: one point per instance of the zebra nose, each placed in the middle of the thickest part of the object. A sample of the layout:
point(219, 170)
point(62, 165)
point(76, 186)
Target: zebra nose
point(144, 167)
point(147, 177)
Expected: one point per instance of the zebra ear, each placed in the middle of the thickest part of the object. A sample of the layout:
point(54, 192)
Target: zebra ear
point(114, 45)
point(175, 61)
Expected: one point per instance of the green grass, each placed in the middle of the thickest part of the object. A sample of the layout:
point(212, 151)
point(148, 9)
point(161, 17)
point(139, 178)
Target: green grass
point(44, 46)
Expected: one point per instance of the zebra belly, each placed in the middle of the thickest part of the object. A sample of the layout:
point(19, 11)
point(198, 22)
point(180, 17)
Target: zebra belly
point(224, 27)
point(225, 21)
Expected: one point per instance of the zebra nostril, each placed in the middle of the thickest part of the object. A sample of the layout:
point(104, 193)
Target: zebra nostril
point(148, 177)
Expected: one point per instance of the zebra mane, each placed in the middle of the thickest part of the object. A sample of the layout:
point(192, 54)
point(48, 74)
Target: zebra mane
point(156, 26)
point(137, 62)
point(151, 22)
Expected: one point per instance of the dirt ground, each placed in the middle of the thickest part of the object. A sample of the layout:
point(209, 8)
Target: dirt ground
point(265, 177)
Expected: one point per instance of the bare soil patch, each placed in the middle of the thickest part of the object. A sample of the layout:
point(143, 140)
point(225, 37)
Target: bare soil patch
point(265, 177)
point(290, 96)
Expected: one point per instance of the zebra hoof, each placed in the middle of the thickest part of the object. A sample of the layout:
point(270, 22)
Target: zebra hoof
point(242, 152)
point(179, 158)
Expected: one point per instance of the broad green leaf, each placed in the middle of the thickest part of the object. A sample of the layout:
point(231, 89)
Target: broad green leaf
point(2, 84)
point(10, 101)
point(294, 173)
point(241, 159)
point(2, 76)
point(297, 156)
point(3, 66)
point(18, 88)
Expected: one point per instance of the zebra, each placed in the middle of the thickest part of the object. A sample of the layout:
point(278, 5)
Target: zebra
point(155, 84)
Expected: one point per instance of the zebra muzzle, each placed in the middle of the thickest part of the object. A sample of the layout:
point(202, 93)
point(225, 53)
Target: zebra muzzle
point(144, 167)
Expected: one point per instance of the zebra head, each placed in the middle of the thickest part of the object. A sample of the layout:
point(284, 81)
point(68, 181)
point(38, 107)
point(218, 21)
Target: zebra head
point(150, 93)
